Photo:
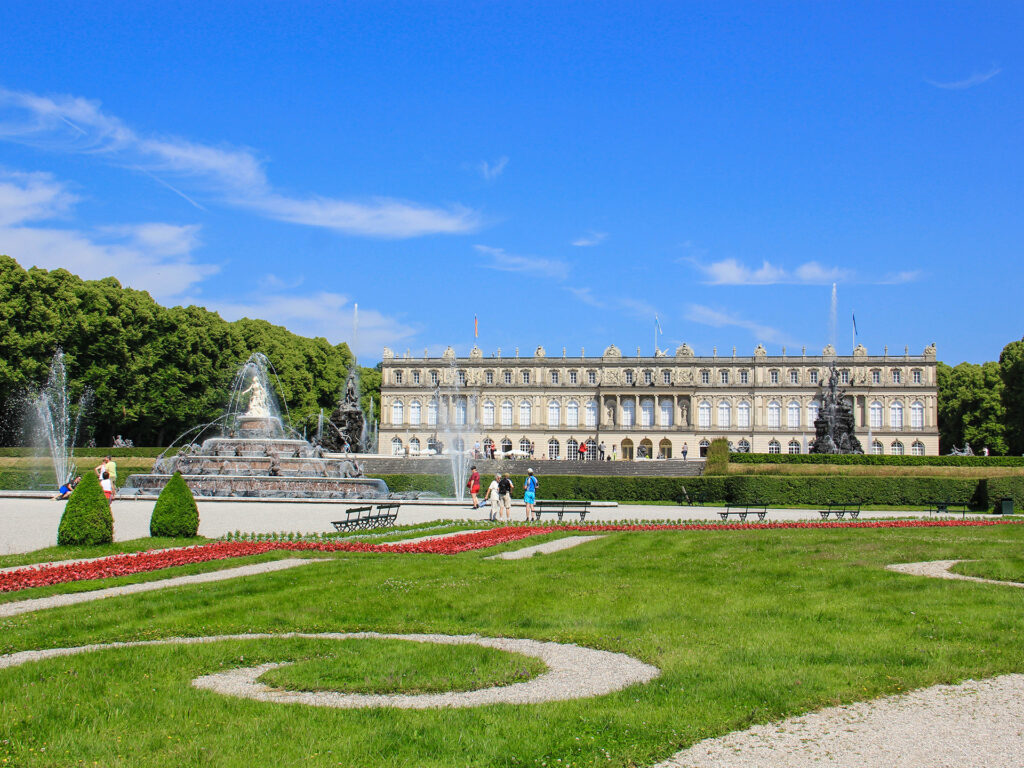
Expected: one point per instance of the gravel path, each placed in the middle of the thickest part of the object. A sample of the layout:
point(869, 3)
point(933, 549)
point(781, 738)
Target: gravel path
point(544, 549)
point(573, 672)
point(939, 569)
point(56, 601)
point(971, 725)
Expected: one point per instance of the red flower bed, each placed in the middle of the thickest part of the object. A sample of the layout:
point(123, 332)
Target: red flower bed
point(140, 562)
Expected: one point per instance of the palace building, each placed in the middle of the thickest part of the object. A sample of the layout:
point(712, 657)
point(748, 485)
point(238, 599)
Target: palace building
point(652, 406)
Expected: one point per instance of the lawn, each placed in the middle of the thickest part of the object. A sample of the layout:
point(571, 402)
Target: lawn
point(746, 626)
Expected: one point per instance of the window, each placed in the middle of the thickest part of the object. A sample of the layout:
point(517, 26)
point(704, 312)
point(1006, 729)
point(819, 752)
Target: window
point(743, 414)
point(813, 377)
point(724, 414)
point(844, 377)
point(488, 444)
point(774, 414)
point(629, 377)
point(666, 413)
point(460, 412)
point(744, 377)
point(398, 377)
point(488, 415)
point(572, 414)
point(525, 413)
point(414, 445)
point(554, 414)
point(432, 412)
point(743, 446)
point(896, 449)
point(524, 446)
point(554, 377)
point(572, 449)
point(773, 377)
point(896, 415)
point(702, 447)
point(592, 377)
point(489, 377)
point(506, 445)
point(433, 378)
point(396, 446)
point(793, 447)
point(793, 414)
point(897, 376)
point(647, 378)
point(506, 413)
point(628, 414)
point(917, 415)
point(917, 449)
point(591, 450)
point(462, 378)
point(572, 377)
point(794, 376)
point(397, 412)
point(434, 445)
point(507, 376)
point(704, 414)
point(774, 447)
point(666, 377)
point(414, 413)
point(723, 377)
point(647, 413)
point(876, 377)
point(876, 448)
point(526, 377)
point(415, 377)
point(552, 448)
point(705, 377)
point(591, 413)
point(875, 415)
point(813, 408)
point(915, 376)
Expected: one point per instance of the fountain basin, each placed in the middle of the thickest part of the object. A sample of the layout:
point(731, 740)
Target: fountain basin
point(269, 486)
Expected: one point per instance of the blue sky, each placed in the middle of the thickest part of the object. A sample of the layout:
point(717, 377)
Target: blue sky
point(565, 171)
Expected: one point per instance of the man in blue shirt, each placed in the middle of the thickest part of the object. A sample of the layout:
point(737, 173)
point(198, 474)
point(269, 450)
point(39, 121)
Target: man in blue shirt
point(530, 494)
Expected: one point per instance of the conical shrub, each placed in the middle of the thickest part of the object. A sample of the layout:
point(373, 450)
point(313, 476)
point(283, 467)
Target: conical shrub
point(175, 513)
point(86, 518)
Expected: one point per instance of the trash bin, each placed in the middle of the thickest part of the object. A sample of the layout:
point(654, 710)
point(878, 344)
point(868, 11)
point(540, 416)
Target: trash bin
point(1006, 505)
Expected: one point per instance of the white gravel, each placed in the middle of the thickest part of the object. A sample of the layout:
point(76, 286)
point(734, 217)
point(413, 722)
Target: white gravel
point(57, 601)
point(544, 549)
point(939, 569)
point(573, 672)
point(976, 724)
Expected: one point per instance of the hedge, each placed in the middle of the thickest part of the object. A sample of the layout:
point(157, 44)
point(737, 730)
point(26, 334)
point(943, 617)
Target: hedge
point(87, 518)
point(20, 452)
point(42, 478)
point(175, 514)
point(865, 458)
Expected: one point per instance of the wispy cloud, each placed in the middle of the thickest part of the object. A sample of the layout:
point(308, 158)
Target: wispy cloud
point(234, 176)
point(732, 272)
point(717, 318)
point(637, 307)
point(491, 171)
point(533, 265)
point(586, 295)
point(899, 278)
point(590, 239)
point(32, 197)
point(968, 82)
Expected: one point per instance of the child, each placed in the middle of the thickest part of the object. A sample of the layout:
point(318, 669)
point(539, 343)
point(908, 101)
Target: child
point(67, 488)
point(108, 486)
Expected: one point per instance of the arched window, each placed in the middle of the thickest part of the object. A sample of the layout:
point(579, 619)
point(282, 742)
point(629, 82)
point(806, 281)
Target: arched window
point(743, 414)
point(591, 449)
point(793, 414)
point(435, 445)
point(896, 448)
point(591, 413)
point(666, 413)
point(724, 414)
point(917, 415)
point(646, 450)
point(875, 415)
point(794, 446)
point(397, 412)
point(460, 411)
point(506, 445)
point(774, 415)
point(554, 414)
point(876, 448)
point(628, 414)
point(506, 413)
point(488, 414)
point(896, 415)
point(432, 412)
point(704, 414)
point(524, 445)
point(552, 448)
point(665, 449)
point(744, 446)
point(813, 409)
point(774, 447)
point(917, 449)
point(572, 449)
point(572, 414)
point(396, 446)
point(702, 447)
point(488, 444)
point(414, 445)
point(525, 413)
point(627, 449)
point(414, 413)
point(647, 413)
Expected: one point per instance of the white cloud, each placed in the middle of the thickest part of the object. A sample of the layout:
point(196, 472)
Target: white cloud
point(586, 295)
point(969, 82)
point(731, 272)
point(531, 265)
point(233, 175)
point(590, 239)
point(899, 278)
point(717, 318)
point(31, 197)
point(491, 171)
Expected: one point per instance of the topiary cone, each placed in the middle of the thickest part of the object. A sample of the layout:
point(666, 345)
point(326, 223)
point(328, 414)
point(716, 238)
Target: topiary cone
point(175, 513)
point(86, 518)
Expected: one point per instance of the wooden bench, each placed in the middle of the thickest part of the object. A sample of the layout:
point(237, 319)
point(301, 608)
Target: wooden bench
point(839, 510)
point(561, 507)
point(950, 507)
point(357, 518)
point(742, 510)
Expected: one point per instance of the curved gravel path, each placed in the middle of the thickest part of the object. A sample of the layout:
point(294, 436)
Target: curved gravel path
point(939, 569)
point(574, 672)
point(544, 549)
point(976, 724)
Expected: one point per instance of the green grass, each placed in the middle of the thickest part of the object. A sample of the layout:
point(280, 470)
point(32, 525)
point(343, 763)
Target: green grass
point(746, 626)
point(96, 550)
point(400, 666)
point(1001, 569)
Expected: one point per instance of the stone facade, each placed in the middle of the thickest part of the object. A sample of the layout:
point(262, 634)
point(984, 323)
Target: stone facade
point(652, 406)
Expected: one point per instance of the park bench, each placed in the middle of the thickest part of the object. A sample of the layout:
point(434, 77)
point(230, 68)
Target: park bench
point(561, 507)
point(367, 517)
point(839, 510)
point(742, 510)
point(947, 507)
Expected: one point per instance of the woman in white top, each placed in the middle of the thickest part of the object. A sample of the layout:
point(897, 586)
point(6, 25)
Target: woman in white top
point(494, 497)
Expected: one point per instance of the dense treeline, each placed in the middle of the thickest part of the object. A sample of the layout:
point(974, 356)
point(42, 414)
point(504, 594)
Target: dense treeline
point(155, 371)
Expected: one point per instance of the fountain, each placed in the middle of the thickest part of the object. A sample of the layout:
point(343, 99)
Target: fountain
point(835, 422)
point(256, 454)
point(347, 425)
point(55, 423)
point(455, 434)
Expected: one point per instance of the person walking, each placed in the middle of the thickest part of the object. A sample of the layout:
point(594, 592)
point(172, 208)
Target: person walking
point(505, 498)
point(108, 465)
point(108, 486)
point(492, 496)
point(686, 450)
point(474, 486)
point(530, 494)
point(600, 451)
point(583, 451)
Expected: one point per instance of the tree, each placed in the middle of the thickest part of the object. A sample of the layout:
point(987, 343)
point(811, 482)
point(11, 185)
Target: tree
point(87, 518)
point(175, 513)
point(1011, 369)
point(971, 407)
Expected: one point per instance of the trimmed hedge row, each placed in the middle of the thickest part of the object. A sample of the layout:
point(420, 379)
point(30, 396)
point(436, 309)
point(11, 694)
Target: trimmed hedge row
point(41, 477)
point(865, 458)
point(21, 452)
